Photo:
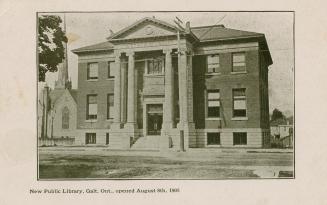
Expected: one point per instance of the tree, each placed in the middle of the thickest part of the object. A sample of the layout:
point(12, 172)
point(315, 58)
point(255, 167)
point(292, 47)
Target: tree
point(50, 44)
point(277, 114)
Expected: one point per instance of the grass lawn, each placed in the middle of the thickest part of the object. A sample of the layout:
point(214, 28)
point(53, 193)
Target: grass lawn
point(54, 165)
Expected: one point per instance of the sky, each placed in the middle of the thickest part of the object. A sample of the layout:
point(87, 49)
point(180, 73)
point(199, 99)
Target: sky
point(89, 28)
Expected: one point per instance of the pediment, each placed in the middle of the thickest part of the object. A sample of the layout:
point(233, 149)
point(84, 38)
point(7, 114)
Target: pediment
point(144, 29)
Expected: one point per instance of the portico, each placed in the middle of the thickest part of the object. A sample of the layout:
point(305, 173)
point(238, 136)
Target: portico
point(150, 79)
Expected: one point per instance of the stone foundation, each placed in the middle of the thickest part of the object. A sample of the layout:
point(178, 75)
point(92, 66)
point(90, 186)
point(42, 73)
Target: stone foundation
point(170, 140)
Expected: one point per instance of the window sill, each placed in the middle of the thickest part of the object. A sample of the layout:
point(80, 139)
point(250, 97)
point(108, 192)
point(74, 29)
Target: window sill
point(110, 120)
point(92, 80)
point(213, 118)
point(240, 118)
point(212, 74)
point(240, 72)
point(243, 145)
point(91, 120)
point(214, 146)
point(110, 78)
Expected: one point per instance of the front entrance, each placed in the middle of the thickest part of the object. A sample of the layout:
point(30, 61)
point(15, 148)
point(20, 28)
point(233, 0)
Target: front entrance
point(154, 119)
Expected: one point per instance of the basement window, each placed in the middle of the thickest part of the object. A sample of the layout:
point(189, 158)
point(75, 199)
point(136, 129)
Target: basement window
point(90, 138)
point(239, 138)
point(213, 138)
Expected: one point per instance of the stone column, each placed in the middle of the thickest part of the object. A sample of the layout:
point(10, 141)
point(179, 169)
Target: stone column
point(189, 84)
point(185, 87)
point(117, 91)
point(168, 115)
point(186, 98)
point(168, 106)
point(131, 92)
point(182, 69)
point(123, 92)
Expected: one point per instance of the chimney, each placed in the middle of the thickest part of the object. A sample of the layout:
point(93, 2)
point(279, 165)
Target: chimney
point(188, 27)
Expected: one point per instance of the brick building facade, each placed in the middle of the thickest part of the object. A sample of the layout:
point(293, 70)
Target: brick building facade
point(152, 85)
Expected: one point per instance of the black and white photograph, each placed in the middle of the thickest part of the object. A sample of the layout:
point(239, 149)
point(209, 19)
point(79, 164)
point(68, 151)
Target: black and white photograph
point(163, 102)
point(165, 95)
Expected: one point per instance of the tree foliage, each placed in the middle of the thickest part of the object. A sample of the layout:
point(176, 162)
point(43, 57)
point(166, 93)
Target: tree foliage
point(277, 114)
point(50, 44)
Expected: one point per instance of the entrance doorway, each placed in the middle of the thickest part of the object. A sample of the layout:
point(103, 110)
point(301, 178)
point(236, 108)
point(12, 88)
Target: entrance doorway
point(154, 119)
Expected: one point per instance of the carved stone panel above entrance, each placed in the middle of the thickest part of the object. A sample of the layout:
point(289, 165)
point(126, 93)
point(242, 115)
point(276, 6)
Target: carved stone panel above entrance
point(147, 30)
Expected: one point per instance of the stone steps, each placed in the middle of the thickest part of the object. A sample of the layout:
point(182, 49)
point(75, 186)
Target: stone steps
point(146, 143)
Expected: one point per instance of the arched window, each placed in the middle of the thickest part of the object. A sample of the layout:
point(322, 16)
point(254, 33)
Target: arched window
point(65, 118)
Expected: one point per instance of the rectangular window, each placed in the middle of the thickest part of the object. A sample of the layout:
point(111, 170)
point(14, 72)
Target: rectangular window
point(213, 97)
point(111, 66)
point(239, 102)
point(213, 138)
point(92, 107)
point(107, 138)
point(239, 138)
point(213, 64)
point(239, 62)
point(92, 71)
point(155, 66)
point(110, 106)
point(90, 138)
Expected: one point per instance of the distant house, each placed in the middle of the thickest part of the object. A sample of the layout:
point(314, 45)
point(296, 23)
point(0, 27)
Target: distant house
point(282, 131)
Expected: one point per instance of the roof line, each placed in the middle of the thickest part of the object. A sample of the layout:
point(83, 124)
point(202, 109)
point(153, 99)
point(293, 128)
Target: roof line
point(245, 31)
point(91, 50)
point(140, 38)
point(210, 26)
point(222, 26)
point(218, 39)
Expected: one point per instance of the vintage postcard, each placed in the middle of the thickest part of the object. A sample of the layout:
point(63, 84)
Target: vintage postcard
point(165, 95)
point(173, 102)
